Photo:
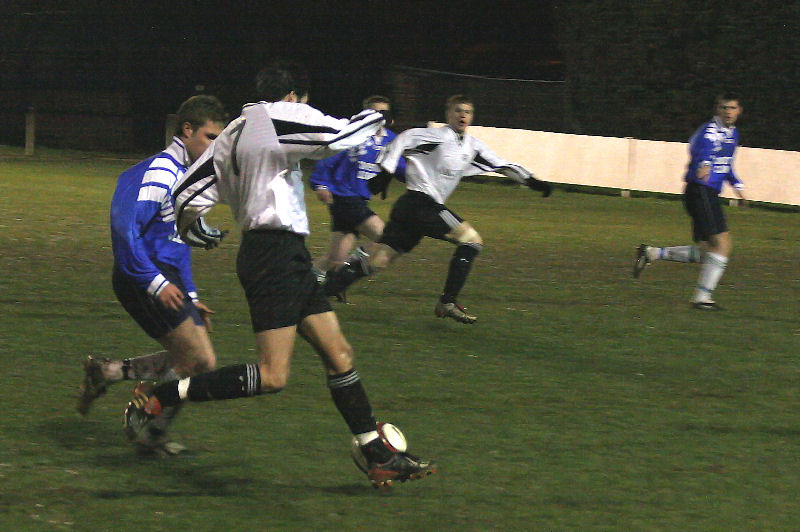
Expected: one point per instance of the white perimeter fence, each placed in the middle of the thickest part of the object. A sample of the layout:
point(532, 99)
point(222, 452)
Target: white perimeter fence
point(771, 176)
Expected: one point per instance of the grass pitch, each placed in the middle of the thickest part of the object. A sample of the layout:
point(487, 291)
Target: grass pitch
point(581, 400)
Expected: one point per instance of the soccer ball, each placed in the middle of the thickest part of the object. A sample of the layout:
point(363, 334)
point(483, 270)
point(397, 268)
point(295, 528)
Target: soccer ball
point(390, 435)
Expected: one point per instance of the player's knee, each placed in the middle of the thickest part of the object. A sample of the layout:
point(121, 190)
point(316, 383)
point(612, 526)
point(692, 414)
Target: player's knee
point(470, 236)
point(382, 258)
point(272, 381)
point(206, 363)
point(340, 357)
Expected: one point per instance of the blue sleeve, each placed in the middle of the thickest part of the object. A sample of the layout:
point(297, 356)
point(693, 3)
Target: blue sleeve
point(733, 179)
point(185, 271)
point(701, 148)
point(129, 218)
point(323, 170)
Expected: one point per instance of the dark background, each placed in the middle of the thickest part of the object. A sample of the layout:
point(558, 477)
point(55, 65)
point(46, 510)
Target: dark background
point(640, 69)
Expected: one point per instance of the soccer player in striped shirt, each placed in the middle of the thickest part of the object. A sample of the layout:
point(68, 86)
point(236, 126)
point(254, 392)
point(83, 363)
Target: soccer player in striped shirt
point(152, 276)
point(249, 167)
point(436, 160)
point(712, 150)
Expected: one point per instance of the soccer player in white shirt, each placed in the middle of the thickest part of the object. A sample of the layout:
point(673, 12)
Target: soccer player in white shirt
point(436, 160)
point(249, 167)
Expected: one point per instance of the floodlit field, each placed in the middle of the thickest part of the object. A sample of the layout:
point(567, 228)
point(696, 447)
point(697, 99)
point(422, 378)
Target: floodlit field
point(581, 400)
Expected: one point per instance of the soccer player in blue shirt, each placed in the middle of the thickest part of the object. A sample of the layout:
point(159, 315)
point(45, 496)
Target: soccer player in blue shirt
point(341, 182)
point(152, 276)
point(712, 150)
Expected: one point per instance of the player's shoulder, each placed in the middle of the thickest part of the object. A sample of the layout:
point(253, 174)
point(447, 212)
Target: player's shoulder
point(301, 113)
point(164, 162)
point(427, 133)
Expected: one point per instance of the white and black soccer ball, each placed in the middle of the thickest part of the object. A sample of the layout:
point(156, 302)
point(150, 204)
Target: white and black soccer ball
point(390, 435)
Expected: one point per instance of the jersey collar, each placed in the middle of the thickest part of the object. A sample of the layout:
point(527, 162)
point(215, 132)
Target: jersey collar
point(177, 151)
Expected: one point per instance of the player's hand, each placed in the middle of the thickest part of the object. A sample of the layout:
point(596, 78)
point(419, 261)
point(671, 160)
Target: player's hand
point(703, 172)
point(379, 183)
point(324, 195)
point(542, 186)
point(205, 313)
point(202, 235)
point(171, 297)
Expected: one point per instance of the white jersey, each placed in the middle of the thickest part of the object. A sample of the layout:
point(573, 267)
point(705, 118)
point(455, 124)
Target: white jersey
point(250, 165)
point(438, 157)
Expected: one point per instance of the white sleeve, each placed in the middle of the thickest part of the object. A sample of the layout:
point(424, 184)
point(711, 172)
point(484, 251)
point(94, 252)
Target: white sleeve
point(196, 192)
point(390, 157)
point(306, 133)
point(416, 141)
point(487, 161)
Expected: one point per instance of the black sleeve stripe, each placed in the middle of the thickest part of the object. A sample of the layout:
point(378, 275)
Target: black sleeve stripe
point(305, 142)
point(308, 142)
point(482, 168)
point(479, 161)
point(237, 131)
point(285, 127)
point(194, 195)
point(203, 171)
point(422, 149)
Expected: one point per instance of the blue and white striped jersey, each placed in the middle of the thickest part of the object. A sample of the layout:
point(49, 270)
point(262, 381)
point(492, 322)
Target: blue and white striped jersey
point(713, 145)
point(143, 221)
point(347, 173)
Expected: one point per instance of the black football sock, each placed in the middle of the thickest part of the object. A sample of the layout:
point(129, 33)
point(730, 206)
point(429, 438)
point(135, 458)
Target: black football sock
point(351, 399)
point(353, 269)
point(230, 382)
point(460, 265)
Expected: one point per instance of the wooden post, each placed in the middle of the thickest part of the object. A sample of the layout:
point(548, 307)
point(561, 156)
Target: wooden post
point(30, 131)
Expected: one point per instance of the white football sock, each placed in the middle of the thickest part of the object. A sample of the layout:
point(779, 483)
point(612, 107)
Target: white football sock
point(366, 437)
point(676, 254)
point(710, 274)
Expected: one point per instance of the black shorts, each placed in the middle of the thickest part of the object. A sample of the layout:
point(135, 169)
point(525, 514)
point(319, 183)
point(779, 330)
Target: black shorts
point(348, 212)
point(702, 204)
point(274, 268)
point(415, 215)
point(155, 319)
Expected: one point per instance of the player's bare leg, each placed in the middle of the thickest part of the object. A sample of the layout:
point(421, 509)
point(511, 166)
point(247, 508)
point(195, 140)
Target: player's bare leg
point(230, 382)
point(468, 244)
point(385, 465)
point(372, 227)
point(715, 260)
point(366, 261)
point(187, 350)
point(339, 246)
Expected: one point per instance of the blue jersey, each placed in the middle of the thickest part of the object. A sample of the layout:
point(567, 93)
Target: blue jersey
point(713, 145)
point(143, 221)
point(347, 173)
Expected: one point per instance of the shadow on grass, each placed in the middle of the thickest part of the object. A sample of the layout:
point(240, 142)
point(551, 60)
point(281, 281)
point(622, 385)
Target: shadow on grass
point(177, 476)
point(788, 432)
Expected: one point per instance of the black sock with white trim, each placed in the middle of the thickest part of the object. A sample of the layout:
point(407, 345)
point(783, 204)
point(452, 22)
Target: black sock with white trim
point(230, 382)
point(351, 399)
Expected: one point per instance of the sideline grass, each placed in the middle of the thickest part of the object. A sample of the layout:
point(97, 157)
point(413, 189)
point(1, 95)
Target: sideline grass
point(581, 400)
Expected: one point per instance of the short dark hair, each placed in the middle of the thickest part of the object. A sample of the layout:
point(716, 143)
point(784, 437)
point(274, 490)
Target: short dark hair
point(375, 98)
point(280, 78)
point(726, 97)
point(198, 110)
point(456, 99)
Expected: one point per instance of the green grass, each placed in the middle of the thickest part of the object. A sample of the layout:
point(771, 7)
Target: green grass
point(581, 400)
